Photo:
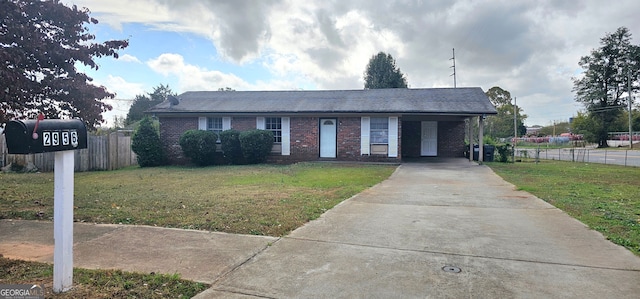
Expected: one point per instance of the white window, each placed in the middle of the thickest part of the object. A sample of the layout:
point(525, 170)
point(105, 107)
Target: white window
point(274, 124)
point(215, 124)
point(379, 130)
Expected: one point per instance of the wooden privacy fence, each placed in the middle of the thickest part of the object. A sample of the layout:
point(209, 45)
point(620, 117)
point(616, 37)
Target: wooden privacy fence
point(107, 152)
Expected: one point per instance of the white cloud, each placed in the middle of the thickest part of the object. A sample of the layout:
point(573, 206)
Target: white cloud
point(192, 77)
point(528, 48)
point(129, 58)
point(167, 63)
point(122, 88)
point(125, 93)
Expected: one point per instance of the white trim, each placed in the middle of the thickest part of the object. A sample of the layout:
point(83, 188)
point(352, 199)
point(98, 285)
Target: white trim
point(364, 135)
point(393, 137)
point(260, 123)
point(202, 123)
point(226, 123)
point(286, 136)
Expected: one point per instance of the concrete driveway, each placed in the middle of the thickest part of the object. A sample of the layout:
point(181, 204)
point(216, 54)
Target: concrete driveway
point(449, 229)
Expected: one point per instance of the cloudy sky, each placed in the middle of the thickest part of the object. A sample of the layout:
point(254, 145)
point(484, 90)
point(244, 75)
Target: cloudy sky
point(530, 48)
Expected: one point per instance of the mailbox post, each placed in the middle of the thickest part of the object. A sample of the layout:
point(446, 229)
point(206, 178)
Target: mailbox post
point(61, 137)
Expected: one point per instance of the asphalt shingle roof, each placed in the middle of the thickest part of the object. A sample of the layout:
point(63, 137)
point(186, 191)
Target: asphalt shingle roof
point(468, 100)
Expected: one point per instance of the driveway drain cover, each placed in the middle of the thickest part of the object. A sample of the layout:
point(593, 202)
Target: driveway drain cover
point(451, 269)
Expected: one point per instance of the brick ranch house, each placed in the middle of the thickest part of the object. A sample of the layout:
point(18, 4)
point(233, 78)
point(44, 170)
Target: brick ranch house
point(344, 125)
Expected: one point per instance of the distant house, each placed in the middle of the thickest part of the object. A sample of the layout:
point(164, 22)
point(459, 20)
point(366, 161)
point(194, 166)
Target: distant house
point(344, 125)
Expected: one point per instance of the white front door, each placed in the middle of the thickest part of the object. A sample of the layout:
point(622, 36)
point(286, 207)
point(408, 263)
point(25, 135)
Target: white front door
point(328, 138)
point(429, 144)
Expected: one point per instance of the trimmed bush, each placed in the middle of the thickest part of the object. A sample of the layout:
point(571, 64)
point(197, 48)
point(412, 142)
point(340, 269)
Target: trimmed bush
point(231, 149)
point(256, 145)
point(199, 146)
point(147, 145)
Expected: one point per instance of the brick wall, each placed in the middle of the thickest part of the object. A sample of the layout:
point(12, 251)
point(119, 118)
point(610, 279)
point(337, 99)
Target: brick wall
point(243, 123)
point(171, 128)
point(305, 142)
point(349, 138)
point(349, 142)
point(451, 139)
point(305, 138)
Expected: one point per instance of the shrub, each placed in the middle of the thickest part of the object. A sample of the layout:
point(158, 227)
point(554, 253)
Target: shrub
point(230, 142)
point(488, 140)
point(147, 145)
point(256, 145)
point(199, 146)
point(504, 152)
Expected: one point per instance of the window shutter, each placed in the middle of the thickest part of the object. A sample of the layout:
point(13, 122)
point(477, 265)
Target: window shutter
point(226, 123)
point(393, 137)
point(202, 123)
point(286, 137)
point(364, 135)
point(260, 123)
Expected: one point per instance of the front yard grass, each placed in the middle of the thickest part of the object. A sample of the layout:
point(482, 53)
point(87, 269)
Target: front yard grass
point(99, 283)
point(258, 199)
point(252, 199)
point(604, 197)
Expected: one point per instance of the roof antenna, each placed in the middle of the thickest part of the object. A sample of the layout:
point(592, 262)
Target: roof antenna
point(454, 67)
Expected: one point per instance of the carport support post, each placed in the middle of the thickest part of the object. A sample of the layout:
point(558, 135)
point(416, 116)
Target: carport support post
point(480, 139)
point(63, 221)
point(470, 122)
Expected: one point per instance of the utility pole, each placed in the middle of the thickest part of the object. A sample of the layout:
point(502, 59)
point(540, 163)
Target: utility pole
point(454, 67)
point(515, 127)
point(629, 100)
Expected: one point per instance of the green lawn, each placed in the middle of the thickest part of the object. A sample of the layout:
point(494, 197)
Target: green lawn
point(99, 283)
point(259, 199)
point(604, 197)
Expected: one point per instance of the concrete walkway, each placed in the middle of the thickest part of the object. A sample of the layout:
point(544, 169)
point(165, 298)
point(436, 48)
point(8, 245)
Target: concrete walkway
point(406, 237)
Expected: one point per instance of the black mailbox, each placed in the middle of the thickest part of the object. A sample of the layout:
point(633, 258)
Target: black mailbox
point(48, 135)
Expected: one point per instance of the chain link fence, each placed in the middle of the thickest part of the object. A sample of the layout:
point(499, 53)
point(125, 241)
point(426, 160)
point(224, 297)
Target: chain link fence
point(584, 155)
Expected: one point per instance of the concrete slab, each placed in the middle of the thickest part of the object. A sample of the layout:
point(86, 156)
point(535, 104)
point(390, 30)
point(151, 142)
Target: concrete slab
point(196, 255)
point(315, 269)
point(393, 240)
point(33, 240)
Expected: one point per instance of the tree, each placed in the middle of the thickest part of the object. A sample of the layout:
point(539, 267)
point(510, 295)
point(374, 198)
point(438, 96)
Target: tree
point(144, 102)
point(147, 145)
point(603, 86)
point(586, 125)
point(382, 72)
point(501, 124)
point(40, 44)
point(556, 129)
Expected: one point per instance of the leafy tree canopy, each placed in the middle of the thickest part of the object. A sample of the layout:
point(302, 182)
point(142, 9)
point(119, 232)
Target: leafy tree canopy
point(382, 72)
point(603, 86)
point(144, 102)
point(40, 44)
point(501, 124)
